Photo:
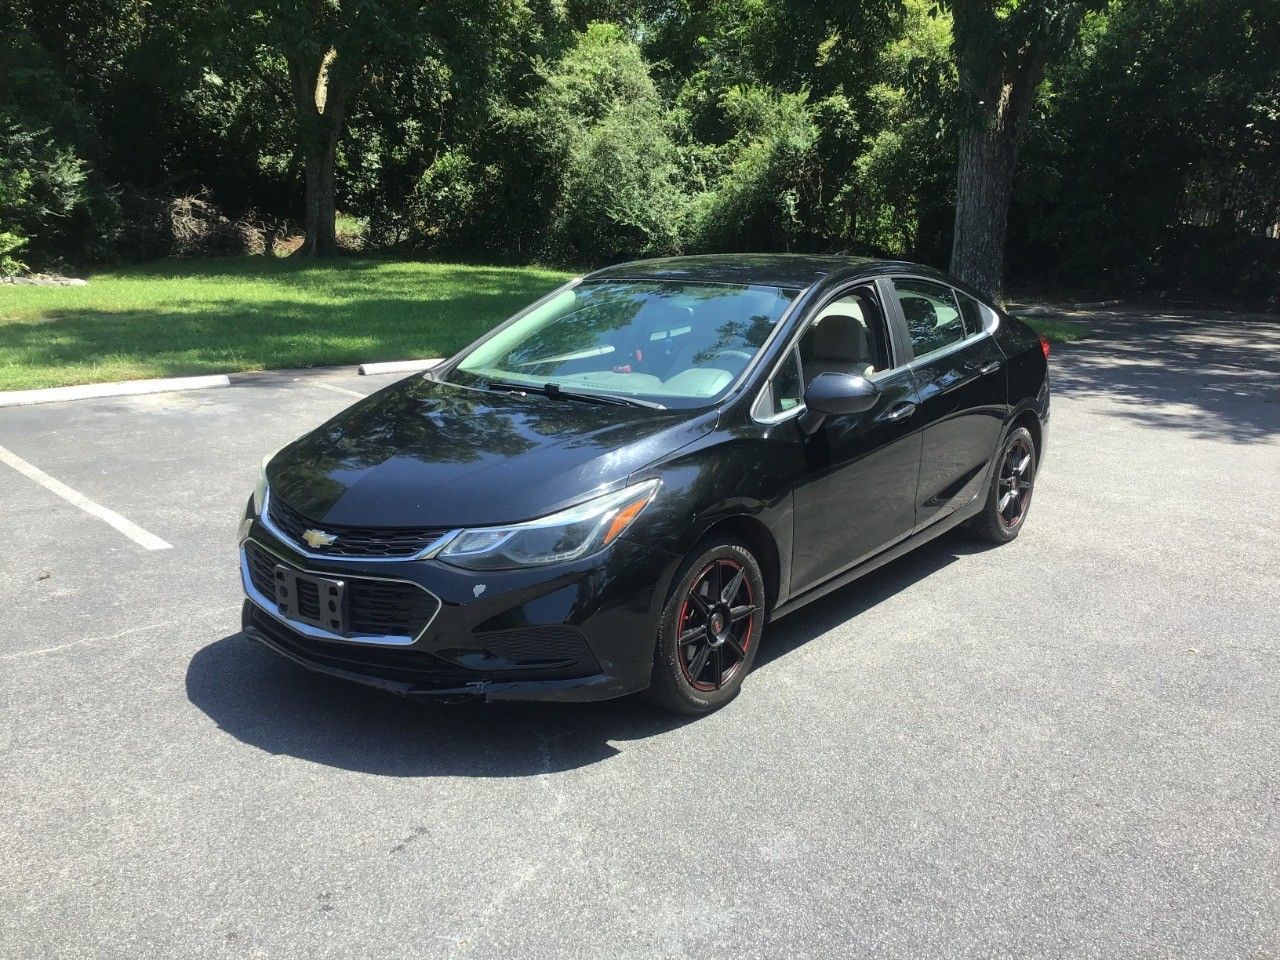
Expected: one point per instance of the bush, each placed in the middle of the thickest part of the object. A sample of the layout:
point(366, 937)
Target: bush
point(596, 150)
point(50, 207)
point(188, 226)
point(762, 196)
point(42, 188)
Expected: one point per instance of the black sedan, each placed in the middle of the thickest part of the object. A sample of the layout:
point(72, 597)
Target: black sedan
point(621, 486)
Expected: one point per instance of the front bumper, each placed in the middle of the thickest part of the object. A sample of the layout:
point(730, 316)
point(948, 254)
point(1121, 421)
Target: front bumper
point(578, 631)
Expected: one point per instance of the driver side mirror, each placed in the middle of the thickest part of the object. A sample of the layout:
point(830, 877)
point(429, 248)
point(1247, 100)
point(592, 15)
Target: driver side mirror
point(836, 395)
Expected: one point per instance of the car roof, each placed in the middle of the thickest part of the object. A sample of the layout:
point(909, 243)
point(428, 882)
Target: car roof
point(794, 270)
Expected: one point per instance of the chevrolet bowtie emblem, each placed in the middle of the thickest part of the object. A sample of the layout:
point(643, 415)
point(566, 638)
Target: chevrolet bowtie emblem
point(318, 538)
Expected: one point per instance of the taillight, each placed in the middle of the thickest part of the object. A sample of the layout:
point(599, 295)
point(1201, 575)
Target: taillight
point(1044, 345)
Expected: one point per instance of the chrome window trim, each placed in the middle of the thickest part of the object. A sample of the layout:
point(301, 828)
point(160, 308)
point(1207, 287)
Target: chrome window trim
point(767, 388)
point(991, 316)
point(426, 553)
point(942, 352)
point(782, 417)
point(268, 606)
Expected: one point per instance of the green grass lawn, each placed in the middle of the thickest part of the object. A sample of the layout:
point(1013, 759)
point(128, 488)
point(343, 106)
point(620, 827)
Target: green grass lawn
point(254, 313)
point(251, 313)
point(1058, 331)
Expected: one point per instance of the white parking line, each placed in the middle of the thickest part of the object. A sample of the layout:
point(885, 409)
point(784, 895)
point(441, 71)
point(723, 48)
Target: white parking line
point(128, 528)
point(330, 386)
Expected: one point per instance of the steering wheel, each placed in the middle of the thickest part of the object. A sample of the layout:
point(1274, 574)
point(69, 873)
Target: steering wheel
point(741, 356)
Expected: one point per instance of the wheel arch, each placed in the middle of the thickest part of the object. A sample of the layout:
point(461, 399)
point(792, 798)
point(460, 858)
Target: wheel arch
point(1028, 418)
point(757, 536)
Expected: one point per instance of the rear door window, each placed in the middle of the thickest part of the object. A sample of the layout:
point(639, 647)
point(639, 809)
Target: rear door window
point(933, 318)
point(971, 310)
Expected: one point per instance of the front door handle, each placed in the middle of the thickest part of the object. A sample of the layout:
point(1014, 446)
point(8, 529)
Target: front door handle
point(899, 412)
point(991, 367)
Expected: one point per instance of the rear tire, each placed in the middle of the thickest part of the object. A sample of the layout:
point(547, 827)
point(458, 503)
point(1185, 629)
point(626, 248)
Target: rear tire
point(1009, 496)
point(710, 629)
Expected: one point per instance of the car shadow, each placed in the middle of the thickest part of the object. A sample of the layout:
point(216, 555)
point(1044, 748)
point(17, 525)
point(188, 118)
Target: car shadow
point(817, 618)
point(275, 705)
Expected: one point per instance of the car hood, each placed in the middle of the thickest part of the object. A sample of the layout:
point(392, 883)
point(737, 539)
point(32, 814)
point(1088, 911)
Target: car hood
point(429, 454)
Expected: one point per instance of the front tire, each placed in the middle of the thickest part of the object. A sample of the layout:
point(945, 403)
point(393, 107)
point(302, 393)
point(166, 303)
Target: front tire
point(710, 629)
point(1009, 496)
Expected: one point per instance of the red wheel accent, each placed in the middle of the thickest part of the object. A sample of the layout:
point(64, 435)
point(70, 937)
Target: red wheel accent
point(715, 626)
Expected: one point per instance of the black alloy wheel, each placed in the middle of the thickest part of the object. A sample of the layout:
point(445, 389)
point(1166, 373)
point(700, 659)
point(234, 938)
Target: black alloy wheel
point(710, 629)
point(1013, 490)
point(1009, 495)
point(715, 624)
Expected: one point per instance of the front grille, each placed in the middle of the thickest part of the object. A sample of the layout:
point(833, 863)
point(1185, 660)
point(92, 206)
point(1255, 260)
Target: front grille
point(387, 542)
point(375, 607)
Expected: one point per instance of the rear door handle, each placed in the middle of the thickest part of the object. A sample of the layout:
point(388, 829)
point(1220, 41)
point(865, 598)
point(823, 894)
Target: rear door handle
point(900, 412)
point(991, 367)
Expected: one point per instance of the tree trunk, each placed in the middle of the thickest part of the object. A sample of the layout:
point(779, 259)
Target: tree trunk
point(320, 164)
point(984, 175)
point(320, 98)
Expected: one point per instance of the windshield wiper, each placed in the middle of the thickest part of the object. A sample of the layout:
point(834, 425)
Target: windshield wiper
point(554, 390)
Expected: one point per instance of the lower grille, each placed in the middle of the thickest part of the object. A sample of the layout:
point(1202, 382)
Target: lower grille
point(399, 664)
point(538, 646)
point(374, 607)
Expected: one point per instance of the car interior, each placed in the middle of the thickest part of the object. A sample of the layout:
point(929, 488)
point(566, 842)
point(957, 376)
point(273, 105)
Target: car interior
point(933, 322)
point(847, 336)
point(666, 348)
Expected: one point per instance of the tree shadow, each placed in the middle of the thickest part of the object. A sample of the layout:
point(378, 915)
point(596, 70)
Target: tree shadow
point(1208, 374)
point(275, 705)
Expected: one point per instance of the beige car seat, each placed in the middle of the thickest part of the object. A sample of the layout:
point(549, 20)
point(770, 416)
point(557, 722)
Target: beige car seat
point(840, 345)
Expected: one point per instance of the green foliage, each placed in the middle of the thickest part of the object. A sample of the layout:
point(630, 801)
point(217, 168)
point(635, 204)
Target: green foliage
point(1057, 330)
point(595, 153)
point(47, 204)
point(583, 132)
point(899, 196)
point(1154, 161)
point(760, 200)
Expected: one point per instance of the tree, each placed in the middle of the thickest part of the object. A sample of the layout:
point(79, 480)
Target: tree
point(1001, 50)
point(1166, 119)
point(331, 51)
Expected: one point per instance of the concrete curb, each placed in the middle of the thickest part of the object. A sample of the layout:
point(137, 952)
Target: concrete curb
point(127, 388)
point(398, 366)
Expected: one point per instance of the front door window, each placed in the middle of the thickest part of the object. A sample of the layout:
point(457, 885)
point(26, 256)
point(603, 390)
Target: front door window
point(847, 336)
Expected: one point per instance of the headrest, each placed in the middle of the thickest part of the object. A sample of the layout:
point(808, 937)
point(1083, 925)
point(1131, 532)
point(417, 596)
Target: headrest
point(920, 313)
point(840, 337)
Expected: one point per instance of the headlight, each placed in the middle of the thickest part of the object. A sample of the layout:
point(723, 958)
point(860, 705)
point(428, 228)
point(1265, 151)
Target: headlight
point(260, 491)
point(566, 535)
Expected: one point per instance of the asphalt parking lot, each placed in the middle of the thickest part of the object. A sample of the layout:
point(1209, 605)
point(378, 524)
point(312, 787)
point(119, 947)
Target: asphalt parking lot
point(1062, 747)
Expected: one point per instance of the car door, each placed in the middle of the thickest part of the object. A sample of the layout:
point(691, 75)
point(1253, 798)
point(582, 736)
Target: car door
point(856, 494)
point(960, 376)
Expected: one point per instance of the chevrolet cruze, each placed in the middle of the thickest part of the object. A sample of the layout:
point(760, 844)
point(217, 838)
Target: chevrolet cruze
point(617, 489)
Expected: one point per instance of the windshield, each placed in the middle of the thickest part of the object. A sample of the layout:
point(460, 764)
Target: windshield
point(665, 341)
